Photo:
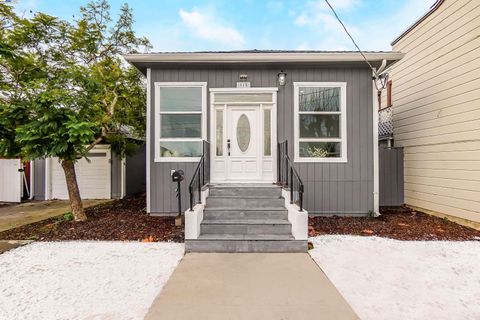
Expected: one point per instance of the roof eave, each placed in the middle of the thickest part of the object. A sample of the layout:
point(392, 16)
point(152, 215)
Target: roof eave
point(259, 57)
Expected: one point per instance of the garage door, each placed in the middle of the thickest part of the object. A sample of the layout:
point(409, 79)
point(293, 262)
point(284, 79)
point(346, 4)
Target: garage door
point(93, 177)
point(10, 180)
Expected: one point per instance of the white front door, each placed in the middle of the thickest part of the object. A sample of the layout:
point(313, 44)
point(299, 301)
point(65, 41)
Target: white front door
point(243, 136)
point(243, 143)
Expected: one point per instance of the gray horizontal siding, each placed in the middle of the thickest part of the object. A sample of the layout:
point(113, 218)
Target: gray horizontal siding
point(330, 187)
point(391, 175)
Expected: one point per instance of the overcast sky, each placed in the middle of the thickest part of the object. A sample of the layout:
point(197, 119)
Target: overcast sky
point(185, 25)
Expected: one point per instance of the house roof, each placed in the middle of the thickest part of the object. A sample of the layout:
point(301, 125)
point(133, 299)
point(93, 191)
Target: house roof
point(433, 8)
point(143, 60)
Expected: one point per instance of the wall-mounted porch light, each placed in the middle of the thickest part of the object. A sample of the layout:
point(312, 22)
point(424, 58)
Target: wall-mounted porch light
point(282, 78)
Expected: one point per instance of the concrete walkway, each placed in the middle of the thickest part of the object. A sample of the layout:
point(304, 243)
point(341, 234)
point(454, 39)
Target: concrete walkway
point(6, 245)
point(280, 286)
point(13, 216)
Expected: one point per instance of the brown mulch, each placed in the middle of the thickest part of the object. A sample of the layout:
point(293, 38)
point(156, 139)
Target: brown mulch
point(124, 219)
point(127, 219)
point(394, 223)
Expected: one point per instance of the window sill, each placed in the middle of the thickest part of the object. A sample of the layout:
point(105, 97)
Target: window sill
point(320, 160)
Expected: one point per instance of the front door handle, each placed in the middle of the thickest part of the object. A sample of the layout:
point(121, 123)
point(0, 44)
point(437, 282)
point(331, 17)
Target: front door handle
point(228, 147)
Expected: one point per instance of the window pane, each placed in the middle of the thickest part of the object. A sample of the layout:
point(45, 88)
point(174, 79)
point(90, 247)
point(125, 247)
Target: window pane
point(267, 139)
point(219, 132)
point(180, 148)
point(319, 126)
point(320, 149)
point(243, 133)
point(319, 99)
point(180, 99)
point(181, 126)
point(243, 97)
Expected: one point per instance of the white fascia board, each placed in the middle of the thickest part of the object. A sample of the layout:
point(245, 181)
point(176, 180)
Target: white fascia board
point(219, 57)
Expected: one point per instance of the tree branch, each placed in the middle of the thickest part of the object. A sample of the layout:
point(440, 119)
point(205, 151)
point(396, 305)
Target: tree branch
point(94, 143)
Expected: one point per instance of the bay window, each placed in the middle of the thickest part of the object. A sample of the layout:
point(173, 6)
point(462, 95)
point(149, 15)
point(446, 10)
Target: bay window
point(180, 120)
point(320, 122)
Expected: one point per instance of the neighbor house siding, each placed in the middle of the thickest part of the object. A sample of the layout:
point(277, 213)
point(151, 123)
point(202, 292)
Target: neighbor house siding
point(436, 99)
point(330, 187)
point(39, 179)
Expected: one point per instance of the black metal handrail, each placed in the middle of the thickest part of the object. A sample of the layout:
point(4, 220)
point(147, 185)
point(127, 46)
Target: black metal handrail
point(288, 175)
point(201, 176)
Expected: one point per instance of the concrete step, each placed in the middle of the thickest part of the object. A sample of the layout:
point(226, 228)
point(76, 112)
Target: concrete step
point(245, 243)
point(246, 226)
point(245, 202)
point(246, 191)
point(229, 213)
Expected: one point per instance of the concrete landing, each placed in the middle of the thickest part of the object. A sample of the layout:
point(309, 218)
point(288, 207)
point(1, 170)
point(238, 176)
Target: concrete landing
point(249, 286)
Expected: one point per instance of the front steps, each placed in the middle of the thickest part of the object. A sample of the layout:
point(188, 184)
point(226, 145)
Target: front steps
point(245, 218)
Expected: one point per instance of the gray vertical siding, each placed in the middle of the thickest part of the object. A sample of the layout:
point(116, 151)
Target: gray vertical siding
point(135, 172)
point(116, 176)
point(391, 175)
point(331, 188)
point(39, 179)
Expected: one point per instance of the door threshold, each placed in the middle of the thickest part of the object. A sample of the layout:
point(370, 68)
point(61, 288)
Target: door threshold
point(243, 182)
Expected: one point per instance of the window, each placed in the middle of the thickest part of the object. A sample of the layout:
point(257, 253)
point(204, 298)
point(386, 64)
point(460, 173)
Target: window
point(320, 122)
point(180, 120)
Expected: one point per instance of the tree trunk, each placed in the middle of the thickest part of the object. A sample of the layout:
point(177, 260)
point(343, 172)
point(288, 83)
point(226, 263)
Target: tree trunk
point(73, 191)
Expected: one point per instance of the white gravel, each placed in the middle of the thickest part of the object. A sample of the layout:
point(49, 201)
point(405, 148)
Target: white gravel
point(390, 279)
point(84, 280)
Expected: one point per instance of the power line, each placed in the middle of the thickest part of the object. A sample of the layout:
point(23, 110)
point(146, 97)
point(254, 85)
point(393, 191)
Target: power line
point(351, 38)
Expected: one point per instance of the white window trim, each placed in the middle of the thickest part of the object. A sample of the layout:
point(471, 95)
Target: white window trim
point(343, 121)
point(159, 85)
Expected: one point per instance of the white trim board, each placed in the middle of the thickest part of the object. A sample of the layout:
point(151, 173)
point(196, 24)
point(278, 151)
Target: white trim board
point(343, 122)
point(157, 107)
point(148, 138)
point(273, 118)
point(245, 90)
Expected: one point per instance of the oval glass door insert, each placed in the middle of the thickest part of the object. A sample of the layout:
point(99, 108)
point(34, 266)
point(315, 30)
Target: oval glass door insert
point(243, 133)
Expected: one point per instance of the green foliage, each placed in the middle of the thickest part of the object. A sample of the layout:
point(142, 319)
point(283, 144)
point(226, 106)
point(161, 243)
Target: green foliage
point(64, 87)
point(68, 216)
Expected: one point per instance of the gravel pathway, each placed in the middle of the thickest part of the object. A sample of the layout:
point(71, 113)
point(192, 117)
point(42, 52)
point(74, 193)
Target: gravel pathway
point(84, 279)
point(390, 279)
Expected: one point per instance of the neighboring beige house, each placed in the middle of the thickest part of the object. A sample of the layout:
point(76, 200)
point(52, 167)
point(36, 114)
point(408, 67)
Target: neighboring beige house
point(435, 97)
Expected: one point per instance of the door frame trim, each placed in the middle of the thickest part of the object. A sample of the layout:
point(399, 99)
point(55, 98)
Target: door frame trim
point(211, 135)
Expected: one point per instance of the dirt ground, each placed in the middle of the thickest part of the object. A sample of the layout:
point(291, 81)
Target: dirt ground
point(15, 215)
point(124, 219)
point(394, 223)
point(127, 219)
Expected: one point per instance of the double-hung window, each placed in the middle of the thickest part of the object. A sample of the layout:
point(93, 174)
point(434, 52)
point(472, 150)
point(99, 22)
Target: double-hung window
point(180, 120)
point(320, 131)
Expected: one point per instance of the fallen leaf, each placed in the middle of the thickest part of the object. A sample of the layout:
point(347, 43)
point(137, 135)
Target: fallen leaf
point(368, 231)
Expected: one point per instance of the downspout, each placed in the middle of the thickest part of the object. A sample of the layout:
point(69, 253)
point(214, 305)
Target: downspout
point(376, 171)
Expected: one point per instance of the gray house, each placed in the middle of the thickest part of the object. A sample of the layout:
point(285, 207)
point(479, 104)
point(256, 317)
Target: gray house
point(259, 136)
